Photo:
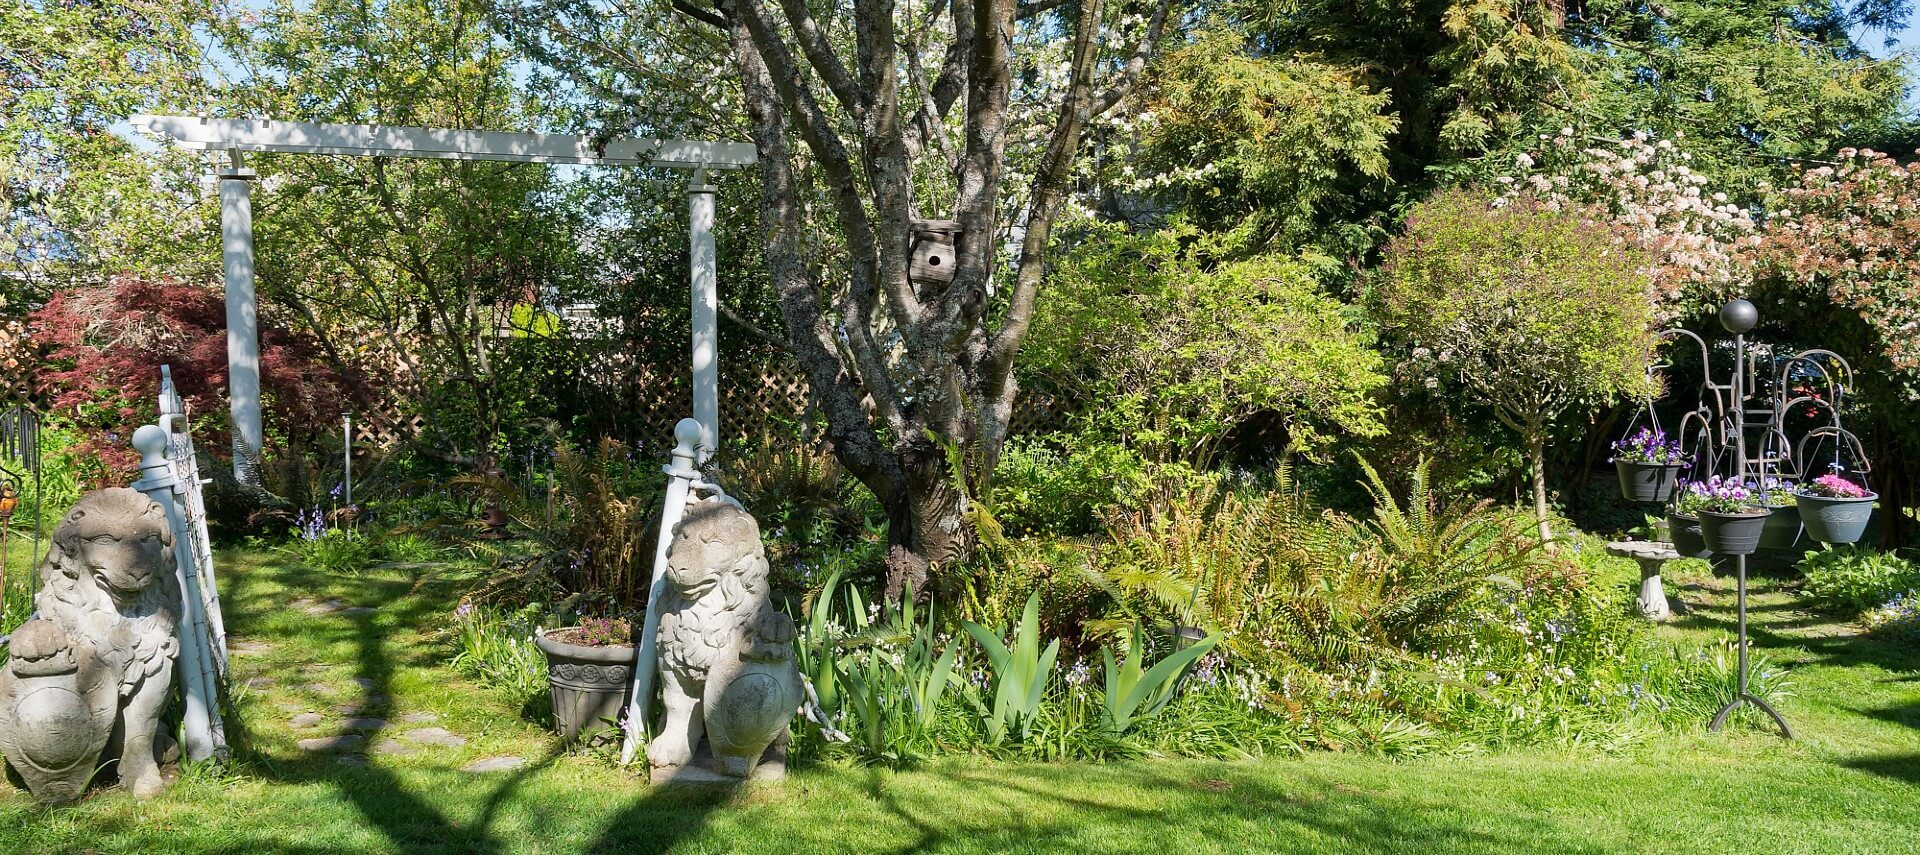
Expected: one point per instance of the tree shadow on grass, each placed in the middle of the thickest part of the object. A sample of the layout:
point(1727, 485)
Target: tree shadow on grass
point(405, 817)
point(1782, 625)
point(1899, 767)
point(1029, 811)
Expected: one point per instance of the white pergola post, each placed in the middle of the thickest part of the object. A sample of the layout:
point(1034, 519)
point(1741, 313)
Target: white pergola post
point(706, 310)
point(243, 320)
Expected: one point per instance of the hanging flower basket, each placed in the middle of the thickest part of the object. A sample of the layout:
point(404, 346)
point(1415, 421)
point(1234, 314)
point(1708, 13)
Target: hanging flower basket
point(1649, 466)
point(1835, 510)
point(1685, 531)
point(1647, 482)
point(1733, 532)
point(1782, 530)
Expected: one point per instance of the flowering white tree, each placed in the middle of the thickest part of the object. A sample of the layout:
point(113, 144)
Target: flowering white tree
point(1698, 237)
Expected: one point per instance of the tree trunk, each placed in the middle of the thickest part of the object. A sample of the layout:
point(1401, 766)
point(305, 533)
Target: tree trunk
point(927, 530)
point(1537, 459)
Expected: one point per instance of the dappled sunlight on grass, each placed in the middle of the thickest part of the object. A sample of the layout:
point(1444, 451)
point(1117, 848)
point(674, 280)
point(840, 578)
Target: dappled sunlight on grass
point(1857, 700)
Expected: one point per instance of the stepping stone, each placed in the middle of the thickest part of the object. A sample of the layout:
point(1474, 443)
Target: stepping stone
point(420, 718)
point(360, 708)
point(307, 719)
point(494, 764)
point(350, 760)
point(363, 682)
point(392, 748)
point(324, 608)
point(356, 611)
point(258, 682)
point(247, 648)
point(364, 724)
point(344, 743)
point(321, 689)
point(434, 736)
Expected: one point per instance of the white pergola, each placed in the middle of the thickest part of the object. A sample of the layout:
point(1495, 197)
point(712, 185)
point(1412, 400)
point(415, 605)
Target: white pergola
point(235, 136)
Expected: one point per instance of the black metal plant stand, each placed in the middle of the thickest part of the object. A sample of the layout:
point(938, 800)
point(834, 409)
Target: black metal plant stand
point(1743, 696)
point(1721, 424)
point(1739, 317)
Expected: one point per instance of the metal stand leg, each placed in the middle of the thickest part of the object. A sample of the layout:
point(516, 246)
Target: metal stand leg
point(1743, 697)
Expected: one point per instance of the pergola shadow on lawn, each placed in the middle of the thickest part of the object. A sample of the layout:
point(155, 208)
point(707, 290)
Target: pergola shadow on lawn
point(410, 819)
point(405, 817)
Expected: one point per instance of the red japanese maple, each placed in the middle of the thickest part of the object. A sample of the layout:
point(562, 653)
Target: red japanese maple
point(105, 345)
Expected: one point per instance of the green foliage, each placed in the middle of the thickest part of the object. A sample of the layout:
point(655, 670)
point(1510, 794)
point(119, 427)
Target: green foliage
point(1279, 139)
point(1021, 671)
point(1530, 308)
point(1302, 595)
point(1688, 686)
point(586, 545)
point(334, 550)
point(882, 684)
point(1066, 483)
point(1752, 85)
point(62, 464)
point(1178, 349)
point(498, 648)
point(1131, 692)
point(1852, 579)
point(76, 198)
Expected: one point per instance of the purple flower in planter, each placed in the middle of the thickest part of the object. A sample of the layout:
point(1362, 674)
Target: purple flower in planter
point(1649, 446)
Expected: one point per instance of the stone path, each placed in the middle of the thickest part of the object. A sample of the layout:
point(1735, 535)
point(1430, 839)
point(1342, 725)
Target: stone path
point(434, 736)
point(494, 764)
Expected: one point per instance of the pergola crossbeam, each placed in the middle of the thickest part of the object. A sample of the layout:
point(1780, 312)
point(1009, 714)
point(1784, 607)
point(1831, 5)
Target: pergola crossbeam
point(441, 143)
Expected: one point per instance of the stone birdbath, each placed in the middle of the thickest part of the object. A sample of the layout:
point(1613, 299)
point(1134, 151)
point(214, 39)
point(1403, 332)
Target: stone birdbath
point(1652, 602)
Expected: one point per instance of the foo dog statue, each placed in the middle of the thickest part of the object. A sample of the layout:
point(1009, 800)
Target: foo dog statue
point(92, 671)
point(726, 654)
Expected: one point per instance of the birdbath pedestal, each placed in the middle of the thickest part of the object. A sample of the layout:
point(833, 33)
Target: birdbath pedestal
point(1652, 601)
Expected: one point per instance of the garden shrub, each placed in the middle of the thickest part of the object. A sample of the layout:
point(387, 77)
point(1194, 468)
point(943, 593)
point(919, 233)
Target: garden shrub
point(497, 647)
point(1173, 346)
point(1529, 307)
point(1852, 579)
point(1065, 485)
point(105, 342)
point(588, 549)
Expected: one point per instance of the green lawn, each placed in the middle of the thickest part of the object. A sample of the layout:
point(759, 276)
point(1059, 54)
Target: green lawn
point(1852, 784)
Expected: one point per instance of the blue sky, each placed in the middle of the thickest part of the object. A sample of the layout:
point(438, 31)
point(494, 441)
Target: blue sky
point(1908, 42)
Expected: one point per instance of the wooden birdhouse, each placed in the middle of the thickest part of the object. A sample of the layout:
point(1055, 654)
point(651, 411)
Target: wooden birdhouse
point(932, 250)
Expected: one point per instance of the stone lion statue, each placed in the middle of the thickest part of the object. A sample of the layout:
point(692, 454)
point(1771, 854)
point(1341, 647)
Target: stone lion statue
point(726, 654)
point(90, 674)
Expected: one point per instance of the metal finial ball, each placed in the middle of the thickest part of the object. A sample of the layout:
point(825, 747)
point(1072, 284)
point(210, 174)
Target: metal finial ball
point(1739, 316)
point(687, 433)
point(151, 442)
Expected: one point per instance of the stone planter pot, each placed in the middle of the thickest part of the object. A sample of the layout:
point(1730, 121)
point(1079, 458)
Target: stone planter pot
point(1830, 520)
point(1685, 533)
point(1733, 534)
point(1647, 482)
point(1782, 530)
point(588, 684)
